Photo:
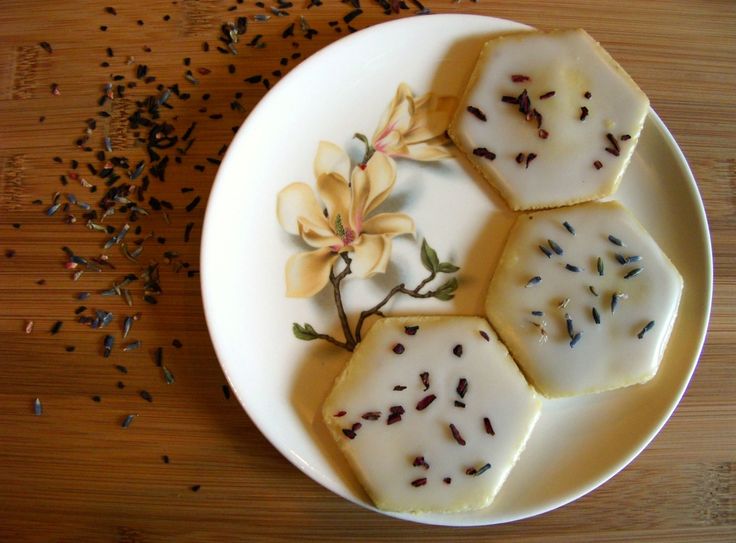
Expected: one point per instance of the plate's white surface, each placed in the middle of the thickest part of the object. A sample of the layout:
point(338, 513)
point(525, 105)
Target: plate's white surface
point(578, 443)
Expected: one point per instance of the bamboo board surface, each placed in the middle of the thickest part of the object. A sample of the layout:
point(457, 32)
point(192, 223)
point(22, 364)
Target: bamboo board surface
point(73, 474)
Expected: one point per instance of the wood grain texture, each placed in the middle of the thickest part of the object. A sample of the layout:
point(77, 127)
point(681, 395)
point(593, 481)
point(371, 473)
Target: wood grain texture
point(73, 474)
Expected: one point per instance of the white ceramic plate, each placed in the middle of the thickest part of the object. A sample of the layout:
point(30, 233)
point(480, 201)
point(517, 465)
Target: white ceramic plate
point(578, 443)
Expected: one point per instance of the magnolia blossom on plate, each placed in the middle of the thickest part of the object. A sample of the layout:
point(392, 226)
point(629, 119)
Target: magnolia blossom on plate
point(340, 223)
point(415, 128)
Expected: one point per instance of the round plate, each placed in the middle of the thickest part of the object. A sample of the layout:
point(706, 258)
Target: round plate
point(281, 381)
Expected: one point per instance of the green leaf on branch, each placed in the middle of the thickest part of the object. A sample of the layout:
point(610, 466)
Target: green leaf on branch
point(446, 291)
point(447, 267)
point(306, 332)
point(429, 257)
point(369, 150)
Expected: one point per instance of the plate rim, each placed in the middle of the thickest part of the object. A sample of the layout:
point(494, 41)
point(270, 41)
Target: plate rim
point(681, 164)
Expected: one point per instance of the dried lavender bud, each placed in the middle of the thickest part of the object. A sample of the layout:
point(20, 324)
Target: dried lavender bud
point(477, 113)
point(456, 435)
point(424, 402)
point(462, 387)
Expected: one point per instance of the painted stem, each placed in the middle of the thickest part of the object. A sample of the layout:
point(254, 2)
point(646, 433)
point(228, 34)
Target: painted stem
point(330, 339)
point(400, 288)
point(336, 280)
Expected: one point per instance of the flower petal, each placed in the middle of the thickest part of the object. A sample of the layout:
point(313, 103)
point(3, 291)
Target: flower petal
point(398, 115)
point(297, 201)
point(318, 235)
point(308, 273)
point(431, 118)
point(426, 152)
point(371, 187)
point(370, 255)
point(392, 224)
point(335, 193)
point(331, 159)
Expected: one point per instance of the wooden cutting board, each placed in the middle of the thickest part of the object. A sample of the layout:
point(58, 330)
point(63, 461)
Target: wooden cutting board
point(191, 466)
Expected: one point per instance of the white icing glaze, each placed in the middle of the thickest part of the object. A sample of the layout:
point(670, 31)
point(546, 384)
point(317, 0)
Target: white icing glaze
point(570, 63)
point(608, 355)
point(381, 455)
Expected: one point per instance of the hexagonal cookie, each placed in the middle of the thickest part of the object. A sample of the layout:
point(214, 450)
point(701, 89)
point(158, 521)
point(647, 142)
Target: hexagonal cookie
point(549, 119)
point(431, 413)
point(584, 298)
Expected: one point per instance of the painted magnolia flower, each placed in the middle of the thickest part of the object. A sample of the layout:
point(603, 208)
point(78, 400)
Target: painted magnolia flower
point(341, 222)
point(415, 128)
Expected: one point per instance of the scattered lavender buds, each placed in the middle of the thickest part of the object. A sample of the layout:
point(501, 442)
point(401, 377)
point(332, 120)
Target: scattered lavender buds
point(132, 346)
point(533, 281)
point(424, 376)
point(420, 462)
point(648, 326)
point(546, 251)
point(572, 268)
point(481, 470)
point(613, 239)
point(395, 416)
point(419, 482)
point(633, 273)
point(37, 407)
point(614, 149)
point(456, 435)
point(127, 324)
point(477, 113)
point(615, 297)
point(575, 339)
point(555, 247)
point(424, 402)
point(569, 227)
point(484, 153)
point(457, 350)
point(600, 267)
point(462, 387)
point(107, 344)
point(568, 323)
point(484, 335)
point(127, 421)
point(596, 315)
point(488, 426)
